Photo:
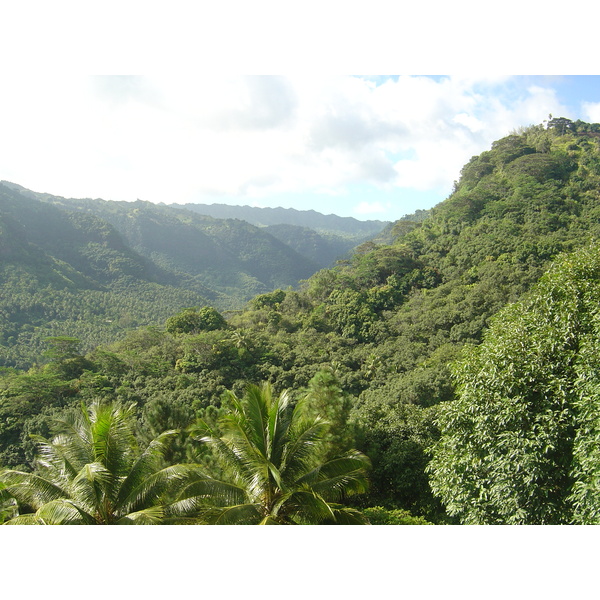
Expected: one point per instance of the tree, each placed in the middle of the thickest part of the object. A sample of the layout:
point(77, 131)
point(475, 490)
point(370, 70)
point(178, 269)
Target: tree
point(561, 124)
point(62, 347)
point(395, 434)
point(269, 300)
point(519, 444)
point(271, 455)
point(191, 320)
point(326, 399)
point(91, 473)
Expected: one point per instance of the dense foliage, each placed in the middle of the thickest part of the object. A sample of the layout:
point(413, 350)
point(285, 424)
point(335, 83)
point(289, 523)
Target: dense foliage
point(67, 273)
point(95, 268)
point(519, 443)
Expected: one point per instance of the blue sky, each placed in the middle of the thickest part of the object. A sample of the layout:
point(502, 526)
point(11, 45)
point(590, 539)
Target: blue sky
point(371, 147)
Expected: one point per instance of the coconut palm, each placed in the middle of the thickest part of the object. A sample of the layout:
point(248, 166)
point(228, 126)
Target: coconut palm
point(92, 473)
point(272, 457)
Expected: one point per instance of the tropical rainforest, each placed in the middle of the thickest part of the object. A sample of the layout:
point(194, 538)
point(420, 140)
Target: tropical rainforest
point(160, 365)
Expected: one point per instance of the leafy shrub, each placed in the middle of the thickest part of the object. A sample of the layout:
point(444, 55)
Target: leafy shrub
point(378, 515)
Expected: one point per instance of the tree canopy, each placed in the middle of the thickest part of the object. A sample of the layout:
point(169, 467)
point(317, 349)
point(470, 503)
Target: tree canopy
point(518, 445)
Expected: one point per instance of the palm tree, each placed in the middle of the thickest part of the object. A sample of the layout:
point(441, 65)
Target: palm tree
point(92, 473)
point(272, 457)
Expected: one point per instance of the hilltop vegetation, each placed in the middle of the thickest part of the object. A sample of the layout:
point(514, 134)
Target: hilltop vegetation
point(379, 342)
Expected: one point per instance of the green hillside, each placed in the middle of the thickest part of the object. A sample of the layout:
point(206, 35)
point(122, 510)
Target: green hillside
point(322, 239)
point(73, 274)
point(323, 249)
point(227, 260)
point(94, 268)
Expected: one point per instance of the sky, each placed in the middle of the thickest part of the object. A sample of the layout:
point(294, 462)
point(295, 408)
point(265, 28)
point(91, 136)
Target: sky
point(367, 146)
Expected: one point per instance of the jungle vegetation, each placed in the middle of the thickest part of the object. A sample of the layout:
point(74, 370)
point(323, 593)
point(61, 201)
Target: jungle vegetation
point(449, 362)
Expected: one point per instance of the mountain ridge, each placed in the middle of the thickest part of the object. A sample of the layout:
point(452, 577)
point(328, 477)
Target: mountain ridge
point(265, 216)
point(88, 250)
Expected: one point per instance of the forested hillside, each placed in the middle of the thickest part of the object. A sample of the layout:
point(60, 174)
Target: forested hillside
point(230, 258)
point(387, 347)
point(69, 273)
point(322, 239)
point(322, 249)
point(111, 266)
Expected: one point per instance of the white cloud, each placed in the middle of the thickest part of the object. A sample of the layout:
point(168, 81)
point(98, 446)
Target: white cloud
point(180, 139)
point(591, 111)
point(473, 124)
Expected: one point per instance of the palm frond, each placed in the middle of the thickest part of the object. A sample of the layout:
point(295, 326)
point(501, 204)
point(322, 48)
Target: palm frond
point(162, 486)
point(241, 460)
point(339, 477)
point(350, 461)
point(280, 419)
point(112, 435)
point(187, 507)
point(62, 512)
point(240, 514)
point(208, 490)
point(61, 456)
point(131, 491)
point(227, 458)
point(276, 475)
point(8, 505)
point(90, 488)
point(342, 515)
point(304, 449)
point(254, 416)
point(29, 488)
point(73, 440)
point(306, 506)
point(153, 515)
point(28, 519)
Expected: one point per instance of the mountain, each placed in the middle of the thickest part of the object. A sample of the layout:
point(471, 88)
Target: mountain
point(228, 260)
point(324, 249)
point(65, 272)
point(81, 247)
point(263, 217)
point(323, 239)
